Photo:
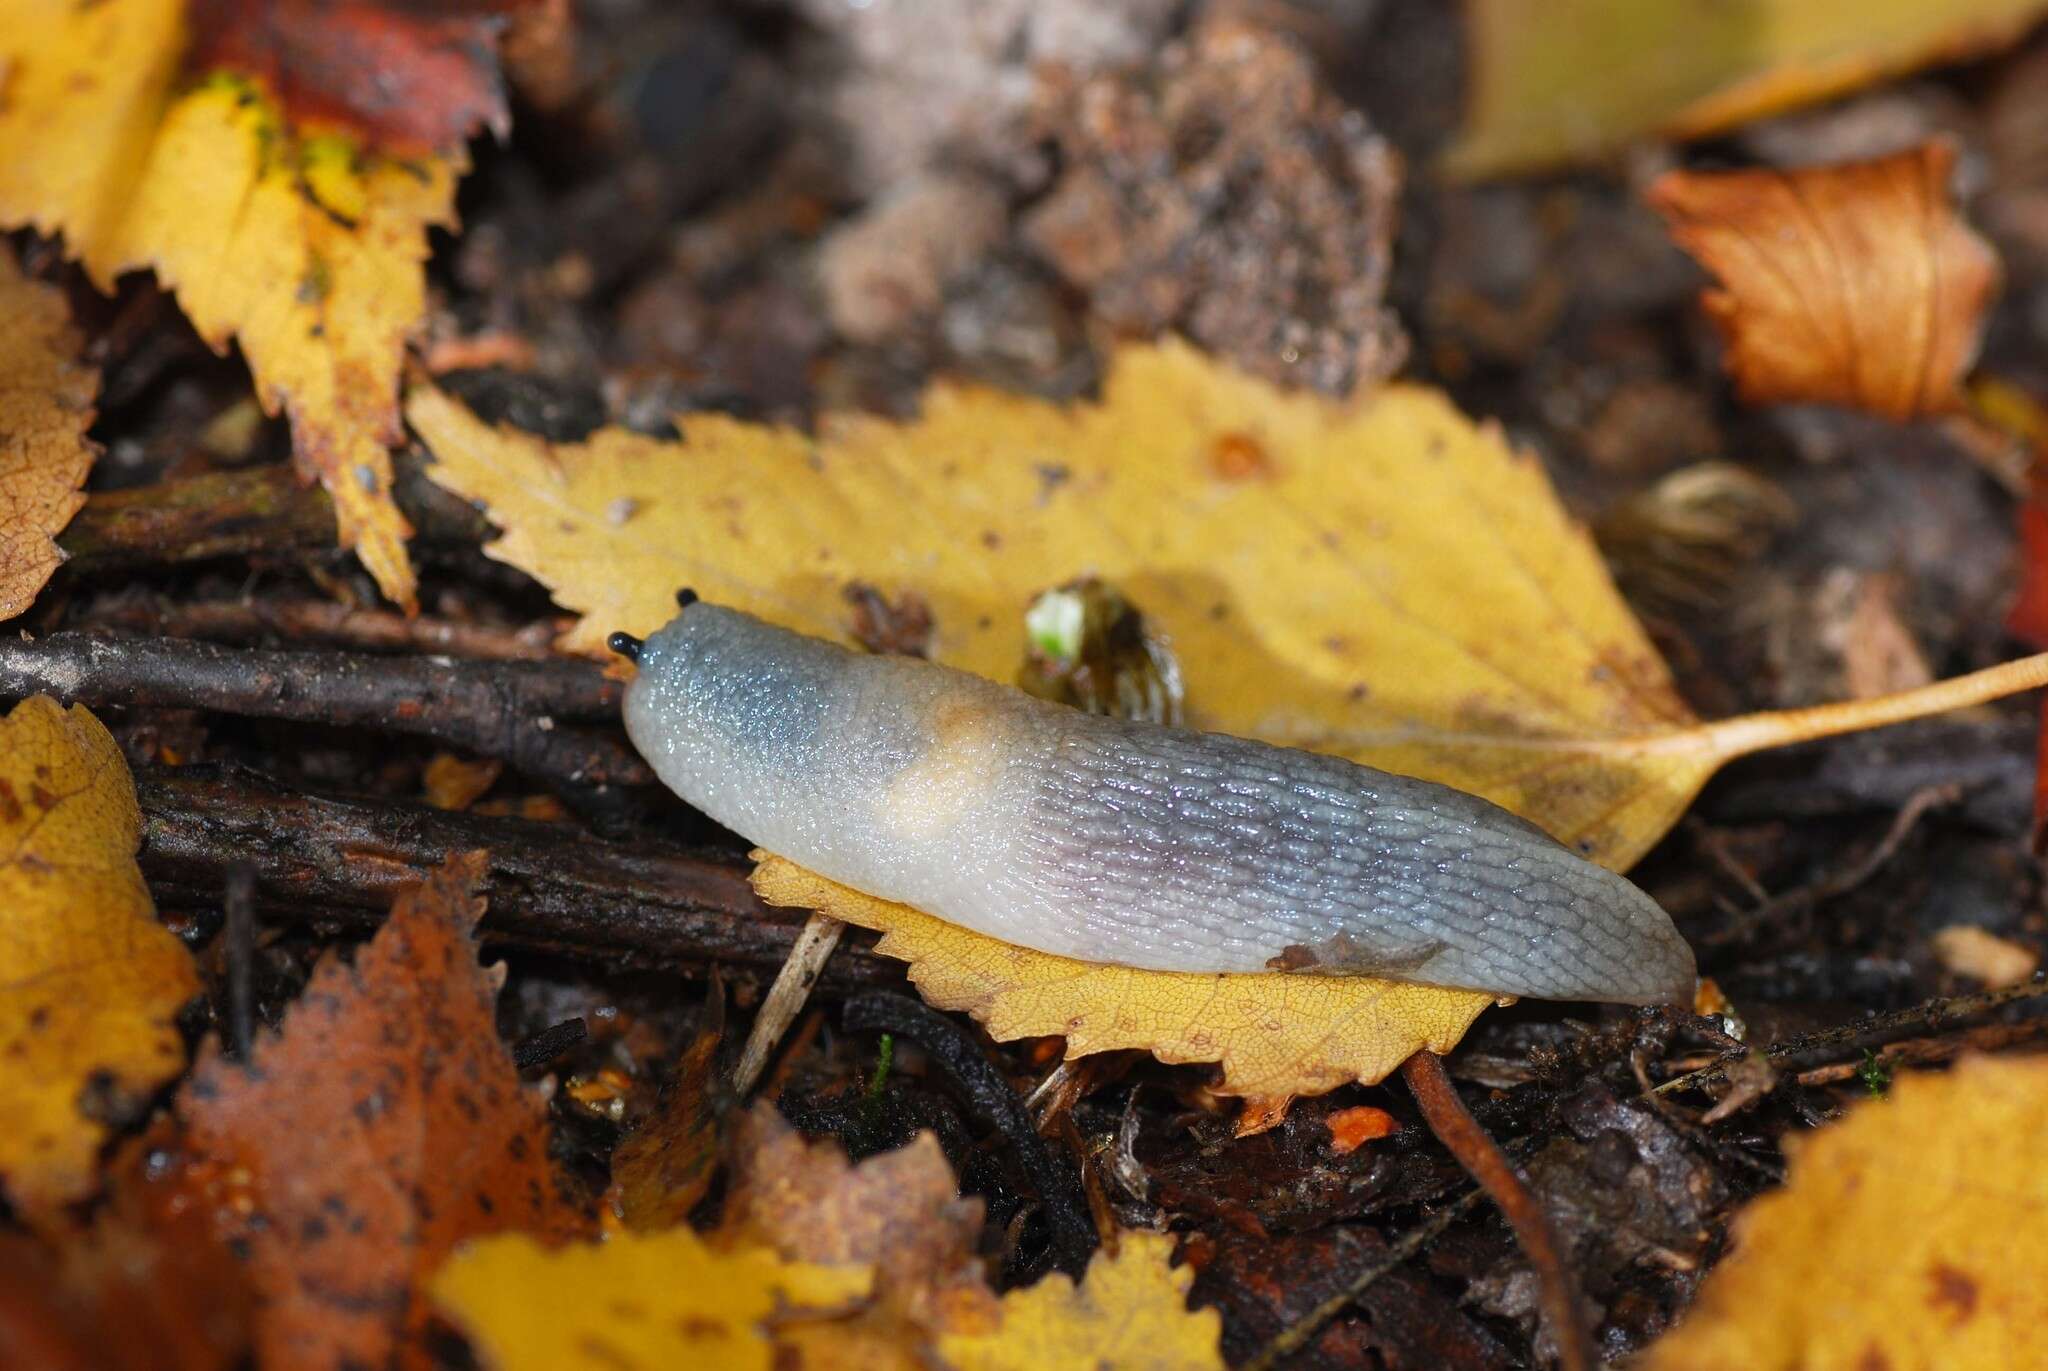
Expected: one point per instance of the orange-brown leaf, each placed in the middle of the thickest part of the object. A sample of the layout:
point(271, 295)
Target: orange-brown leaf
point(381, 1126)
point(46, 404)
point(1855, 284)
point(662, 1168)
point(145, 1288)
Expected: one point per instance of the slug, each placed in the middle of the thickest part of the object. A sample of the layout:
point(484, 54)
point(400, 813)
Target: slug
point(1130, 843)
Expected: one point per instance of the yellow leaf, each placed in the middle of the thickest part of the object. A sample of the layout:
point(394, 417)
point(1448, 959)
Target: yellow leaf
point(308, 254)
point(656, 1301)
point(1855, 284)
point(1129, 1312)
point(46, 404)
point(1565, 79)
point(90, 983)
point(1911, 1234)
point(1275, 1035)
point(1380, 579)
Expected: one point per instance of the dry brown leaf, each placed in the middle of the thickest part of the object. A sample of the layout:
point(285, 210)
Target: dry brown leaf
point(665, 1165)
point(1967, 950)
point(899, 1212)
point(46, 405)
point(1567, 79)
point(1129, 1313)
point(1275, 1035)
point(1911, 1234)
point(1852, 285)
point(305, 248)
point(90, 982)
point(382, 1125)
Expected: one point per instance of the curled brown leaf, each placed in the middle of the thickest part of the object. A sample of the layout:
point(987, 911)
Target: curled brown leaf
point(1856, 284)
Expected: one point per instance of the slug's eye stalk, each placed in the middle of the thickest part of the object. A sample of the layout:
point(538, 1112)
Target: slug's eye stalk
point(625, 644)
point(685, 598)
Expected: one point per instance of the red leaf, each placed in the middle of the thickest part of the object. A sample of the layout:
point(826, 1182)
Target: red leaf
point(413, 77)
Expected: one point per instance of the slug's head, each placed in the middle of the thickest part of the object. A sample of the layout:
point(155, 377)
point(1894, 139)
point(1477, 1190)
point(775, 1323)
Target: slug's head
point(718, 688)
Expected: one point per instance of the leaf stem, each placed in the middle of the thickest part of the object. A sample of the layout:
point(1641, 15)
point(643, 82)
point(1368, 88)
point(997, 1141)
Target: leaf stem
point(1475, 1149)
point(1748, 733)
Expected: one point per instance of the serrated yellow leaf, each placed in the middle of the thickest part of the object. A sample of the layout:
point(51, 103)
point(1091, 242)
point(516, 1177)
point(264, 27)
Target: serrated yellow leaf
point(1911, 1234)
point(1566, 79)
point(46, 405)
point(1275, 1035)
point(90, 982)
point(646, 1302)
point(1129, 1313)
point(309, 254)
point(1380, 579)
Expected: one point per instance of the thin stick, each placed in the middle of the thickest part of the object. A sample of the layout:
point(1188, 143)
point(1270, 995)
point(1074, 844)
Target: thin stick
point(1930, 1013)
point(239, 935)
point(1558, 1291)
point(1293, 1339)
point(1842, 882)
point(786, 997)
point(508, 710)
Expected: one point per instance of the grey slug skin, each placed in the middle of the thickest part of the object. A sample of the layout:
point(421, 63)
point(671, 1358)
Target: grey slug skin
point(1121, 842)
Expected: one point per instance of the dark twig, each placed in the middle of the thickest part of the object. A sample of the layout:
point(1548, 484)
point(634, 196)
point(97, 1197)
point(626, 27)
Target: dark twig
point(506, 710)
point(239, 936)
point(537, 1049)
point(305, 619)
point(1926, 1051)
point(1917, 805)
point(551, 887)
point(1482, 1157)
point(1928, 1014)
point(252, 511)
point(1066, 1213)
point(1293, 1339)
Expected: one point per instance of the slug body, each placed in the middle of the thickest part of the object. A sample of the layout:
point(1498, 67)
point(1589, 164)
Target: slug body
point(1129, 843)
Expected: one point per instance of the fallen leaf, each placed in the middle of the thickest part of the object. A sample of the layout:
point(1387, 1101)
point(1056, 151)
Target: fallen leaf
point(1274, 1035)
point(1388, 581)
point(1568, 79)
point(383, 1124)
point(1129, 1312)
point(1351, 1129)
point(1911, 1234)
point(136, 1291)
point(90, 982)
point(1385, 581)
point(304, 242)
point(1855, 284)
point(665, 1166)
point(436, 81)
point(450, 782)
point(1967, 950)
point(635, 1303)
point(898, 1212)
point(46, 405)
